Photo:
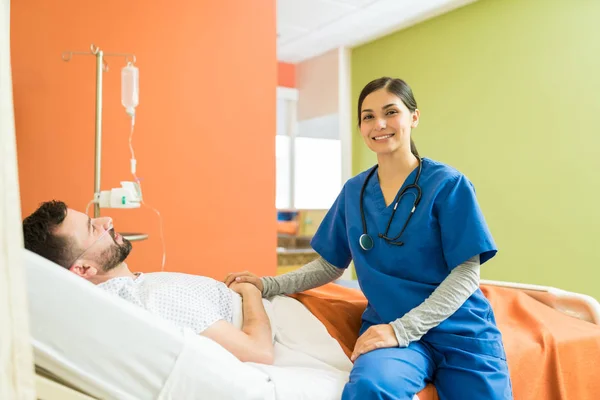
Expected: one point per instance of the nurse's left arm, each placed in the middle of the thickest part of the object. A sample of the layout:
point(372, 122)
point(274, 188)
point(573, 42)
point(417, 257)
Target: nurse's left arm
point(445, 300)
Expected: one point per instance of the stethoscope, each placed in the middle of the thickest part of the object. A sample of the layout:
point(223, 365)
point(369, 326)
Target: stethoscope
point(365, 240)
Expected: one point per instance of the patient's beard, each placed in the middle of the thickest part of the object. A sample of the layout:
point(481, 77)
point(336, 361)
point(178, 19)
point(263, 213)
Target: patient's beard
point(115, 254)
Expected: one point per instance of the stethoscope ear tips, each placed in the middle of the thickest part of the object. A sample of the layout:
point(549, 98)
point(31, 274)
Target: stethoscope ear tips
point(366, 242)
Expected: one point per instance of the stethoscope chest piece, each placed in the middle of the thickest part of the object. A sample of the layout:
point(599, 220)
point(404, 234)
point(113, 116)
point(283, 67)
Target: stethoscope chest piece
point(366, 242)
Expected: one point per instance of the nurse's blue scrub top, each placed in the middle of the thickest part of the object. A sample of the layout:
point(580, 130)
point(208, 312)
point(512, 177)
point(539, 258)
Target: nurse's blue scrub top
point(447, 229)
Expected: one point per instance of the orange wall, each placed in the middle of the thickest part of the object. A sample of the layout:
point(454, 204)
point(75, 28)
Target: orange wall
point(204, 128)
point(286, 75)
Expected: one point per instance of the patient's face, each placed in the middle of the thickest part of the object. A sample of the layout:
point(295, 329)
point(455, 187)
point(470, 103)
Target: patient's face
point(96, 241)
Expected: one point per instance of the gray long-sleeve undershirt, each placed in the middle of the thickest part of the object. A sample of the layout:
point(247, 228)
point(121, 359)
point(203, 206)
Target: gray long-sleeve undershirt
point(314, 274)
point(445, 300)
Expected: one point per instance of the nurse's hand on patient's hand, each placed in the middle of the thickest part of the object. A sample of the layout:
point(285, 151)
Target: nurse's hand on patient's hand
point(245, 276)
point(376, 337)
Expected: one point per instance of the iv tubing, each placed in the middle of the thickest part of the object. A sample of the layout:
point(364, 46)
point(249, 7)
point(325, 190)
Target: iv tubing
point(133, 163)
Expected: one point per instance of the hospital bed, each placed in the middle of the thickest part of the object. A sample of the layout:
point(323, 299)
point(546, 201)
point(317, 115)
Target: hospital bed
point(91, 345)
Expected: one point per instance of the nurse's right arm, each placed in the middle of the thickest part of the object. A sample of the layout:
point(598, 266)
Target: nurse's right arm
point(314, 274)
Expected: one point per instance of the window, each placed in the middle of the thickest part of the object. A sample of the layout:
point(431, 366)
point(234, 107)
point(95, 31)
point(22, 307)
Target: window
point(318, 172)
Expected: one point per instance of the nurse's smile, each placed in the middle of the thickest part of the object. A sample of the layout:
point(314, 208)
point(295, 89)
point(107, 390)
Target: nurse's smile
point(383, 137)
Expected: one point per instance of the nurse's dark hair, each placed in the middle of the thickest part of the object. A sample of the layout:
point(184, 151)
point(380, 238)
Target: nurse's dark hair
point(396, 87)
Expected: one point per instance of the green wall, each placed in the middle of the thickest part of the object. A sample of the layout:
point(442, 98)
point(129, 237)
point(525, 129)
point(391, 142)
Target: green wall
point(509, 93)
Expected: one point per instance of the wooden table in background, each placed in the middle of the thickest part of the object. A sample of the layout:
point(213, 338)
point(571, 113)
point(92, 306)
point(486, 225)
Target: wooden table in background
point(291, 259)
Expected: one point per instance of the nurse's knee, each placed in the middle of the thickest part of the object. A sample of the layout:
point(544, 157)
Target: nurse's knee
point(375, 380)
point(376, 386)
point(362, 387)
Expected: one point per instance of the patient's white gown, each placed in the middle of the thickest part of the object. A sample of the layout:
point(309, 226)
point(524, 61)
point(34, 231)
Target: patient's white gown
point(309, 363)
point(190, 301)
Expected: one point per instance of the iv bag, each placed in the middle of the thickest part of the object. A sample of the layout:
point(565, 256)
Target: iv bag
point(130, 88)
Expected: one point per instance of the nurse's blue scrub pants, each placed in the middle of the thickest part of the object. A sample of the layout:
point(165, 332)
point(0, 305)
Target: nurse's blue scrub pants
point(400, 373)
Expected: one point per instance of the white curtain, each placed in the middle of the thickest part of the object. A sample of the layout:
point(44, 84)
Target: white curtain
point(16, 359)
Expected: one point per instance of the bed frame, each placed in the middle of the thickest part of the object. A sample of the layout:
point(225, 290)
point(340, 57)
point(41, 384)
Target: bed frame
point(584, 307)
point(50, 387)
point(577, 305)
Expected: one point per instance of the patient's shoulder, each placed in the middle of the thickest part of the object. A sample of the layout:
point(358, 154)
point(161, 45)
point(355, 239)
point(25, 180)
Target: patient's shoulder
point(178, 278)
point(114, 285)
point(124, 287)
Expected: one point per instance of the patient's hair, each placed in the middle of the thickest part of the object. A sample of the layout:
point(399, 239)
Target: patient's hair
point(39, 233)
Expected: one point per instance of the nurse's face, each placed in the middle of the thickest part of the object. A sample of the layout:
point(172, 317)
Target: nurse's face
point(386, 123)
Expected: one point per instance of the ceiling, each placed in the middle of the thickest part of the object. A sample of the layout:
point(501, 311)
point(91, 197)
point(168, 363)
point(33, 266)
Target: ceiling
point(308, 28)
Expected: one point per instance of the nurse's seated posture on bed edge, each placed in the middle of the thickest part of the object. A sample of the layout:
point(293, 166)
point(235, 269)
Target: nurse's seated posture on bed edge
point(417, 237)
point(93, 250)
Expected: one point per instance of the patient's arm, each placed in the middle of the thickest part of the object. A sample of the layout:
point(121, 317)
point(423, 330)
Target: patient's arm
point(254, 342)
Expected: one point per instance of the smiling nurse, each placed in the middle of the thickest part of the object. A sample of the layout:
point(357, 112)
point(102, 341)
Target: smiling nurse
point(417, 236)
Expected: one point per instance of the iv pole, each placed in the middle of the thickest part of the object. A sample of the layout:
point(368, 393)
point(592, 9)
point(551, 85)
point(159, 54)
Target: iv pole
point(101, 67)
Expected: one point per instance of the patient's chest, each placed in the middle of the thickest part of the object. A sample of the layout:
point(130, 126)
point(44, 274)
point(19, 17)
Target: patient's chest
point(190, 301)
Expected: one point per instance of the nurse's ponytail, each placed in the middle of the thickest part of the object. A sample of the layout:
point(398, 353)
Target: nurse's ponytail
point(413, 149)
point(396, 87)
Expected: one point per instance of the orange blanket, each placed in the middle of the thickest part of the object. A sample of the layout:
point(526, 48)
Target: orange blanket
point(550, 355)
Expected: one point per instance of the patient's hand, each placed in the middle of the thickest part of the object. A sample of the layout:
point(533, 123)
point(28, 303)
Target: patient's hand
point(244, 288)
point(254, 342)
point(241, 277)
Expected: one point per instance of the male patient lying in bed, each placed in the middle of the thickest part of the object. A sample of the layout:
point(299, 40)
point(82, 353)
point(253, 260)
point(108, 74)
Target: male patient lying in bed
point(93, 250)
